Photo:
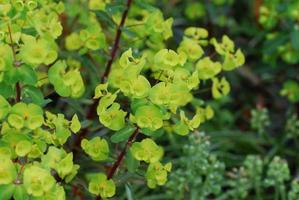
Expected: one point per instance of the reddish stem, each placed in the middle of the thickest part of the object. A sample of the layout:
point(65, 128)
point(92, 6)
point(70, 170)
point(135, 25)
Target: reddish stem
point(121, 156)
point(116, 41)
point(256, 9)
point(90, 115)
point(16, 63)
point(77, 192)
point(92, 109)
point(18, 92)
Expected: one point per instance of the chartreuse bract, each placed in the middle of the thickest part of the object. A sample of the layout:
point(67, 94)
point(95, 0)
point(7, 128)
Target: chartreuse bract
point(146, 92)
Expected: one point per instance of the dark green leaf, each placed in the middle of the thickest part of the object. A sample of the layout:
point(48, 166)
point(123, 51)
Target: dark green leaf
point(6, 191)
point(156, 133)
point(20, 193)
point(129, 192)
point(295, 38)
point(27, 75)
point(123, 134)
point(106, 18)
point(6, 90)
point(34, 94)
point(131, 163)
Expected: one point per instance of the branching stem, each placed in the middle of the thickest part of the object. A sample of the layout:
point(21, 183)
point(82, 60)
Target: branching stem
point(16, 64)
point(116, 41)
point(92, 109)
point(121, 156)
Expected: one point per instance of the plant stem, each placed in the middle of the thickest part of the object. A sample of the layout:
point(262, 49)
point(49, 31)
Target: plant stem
point(16, 63)
point(116, 41)
point(92, 109)
point(121, 156)
point(277, 192)
point(77, 192)
point(282, 192)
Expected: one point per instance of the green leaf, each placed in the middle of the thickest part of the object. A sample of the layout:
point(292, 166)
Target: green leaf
point(131, 163)
point(150, 117)
point(156, 174)
point(35, 95)
point(295, 38)
point(112, 9)
point(75, 124)
point(147, 150)
point(100, 185)
point(123, 134)
point(4, 107)
point(156, 133)
point(20, 193)
point(96, 148)
point(6, 90)
point(106, 18)
point(27, 75)
point(136, 103)
point(113, 118)
point(23, 148)
point(129, 192)
point(6, 191)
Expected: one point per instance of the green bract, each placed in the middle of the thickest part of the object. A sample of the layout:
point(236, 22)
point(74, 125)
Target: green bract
point(113, 117)
point(97, 5)
point(26, 115)
point(156, 174)
point(38, 181)
point(47, 24)
point(191, 49)
point(160, 94)
point(101, 90)
point(220, 87)
point(8, 171)
point(56, 193)
point(149, 117)
point(155, 23)
point(196, 33)
point(61, 162)
point(99, 185)
point(232, 61)
point(66, 83)
point(207, 69)
point(110, 113)
point(291, 90)
point(75, 124)
point(147, 150)
point(90, 38)
point(35, 52)
point(105, 102)
point(73, 42)
point(4, 107)
point(166, 58)
point(96, 148)
point(226, 48)
point(136, 88)
point(6, 60)
point(23, 148)
point(61, 128)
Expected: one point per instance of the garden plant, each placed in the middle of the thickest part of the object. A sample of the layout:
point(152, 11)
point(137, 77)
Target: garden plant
point(149, 100)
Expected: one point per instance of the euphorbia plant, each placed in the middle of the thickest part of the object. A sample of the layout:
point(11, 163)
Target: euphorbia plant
point(47, 50)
